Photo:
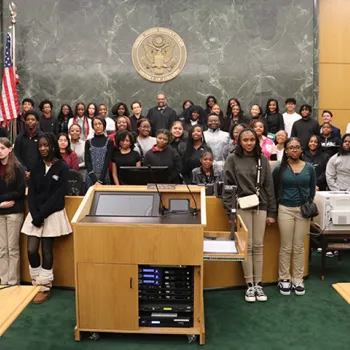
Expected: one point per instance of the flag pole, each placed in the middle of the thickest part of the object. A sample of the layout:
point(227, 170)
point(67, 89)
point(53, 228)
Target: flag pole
point(13, 13)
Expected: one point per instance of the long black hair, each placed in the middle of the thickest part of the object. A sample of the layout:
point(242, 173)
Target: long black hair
point(196, 109)
point(229, 108)
point(319, 143)
point(267, 110)
point(190, 143)
point(61, 116)
point(76, 108)
point(54, 151)
point(341, 149)
point(207, 101)
point(68, 148)
point(239, 149)
point(115, 108)
point(87, 109)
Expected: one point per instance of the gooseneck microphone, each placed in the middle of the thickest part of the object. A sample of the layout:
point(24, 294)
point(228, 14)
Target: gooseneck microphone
point(195, 211)
point(162, 207)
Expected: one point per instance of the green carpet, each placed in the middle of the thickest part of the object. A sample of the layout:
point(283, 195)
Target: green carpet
point(318, 320)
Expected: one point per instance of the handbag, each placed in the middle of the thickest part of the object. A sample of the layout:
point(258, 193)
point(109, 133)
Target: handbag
point(252, 200)
point(309, 208)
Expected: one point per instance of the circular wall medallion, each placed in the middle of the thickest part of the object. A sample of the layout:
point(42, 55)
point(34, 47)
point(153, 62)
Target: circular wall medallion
point(159, 54)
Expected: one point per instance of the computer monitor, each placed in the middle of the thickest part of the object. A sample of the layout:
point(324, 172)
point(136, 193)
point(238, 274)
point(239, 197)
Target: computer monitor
point(125, 204)
point(133, 175)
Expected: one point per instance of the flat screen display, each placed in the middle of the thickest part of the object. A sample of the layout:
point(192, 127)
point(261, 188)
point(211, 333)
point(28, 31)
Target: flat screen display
point(125, 204)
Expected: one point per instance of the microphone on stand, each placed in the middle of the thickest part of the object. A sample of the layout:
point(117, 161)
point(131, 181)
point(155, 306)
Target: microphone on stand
point(162, 207)
point(195, 211)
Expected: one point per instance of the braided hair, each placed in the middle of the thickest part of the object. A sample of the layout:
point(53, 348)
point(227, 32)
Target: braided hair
point(54, 151)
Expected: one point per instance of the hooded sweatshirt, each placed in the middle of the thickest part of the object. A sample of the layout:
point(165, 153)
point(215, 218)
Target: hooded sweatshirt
point(338, 173)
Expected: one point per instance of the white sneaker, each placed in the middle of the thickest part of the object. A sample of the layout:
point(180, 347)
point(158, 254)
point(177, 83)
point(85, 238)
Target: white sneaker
point(259, 293)
point(299, 288)
point(250, 293)
point(285, 286)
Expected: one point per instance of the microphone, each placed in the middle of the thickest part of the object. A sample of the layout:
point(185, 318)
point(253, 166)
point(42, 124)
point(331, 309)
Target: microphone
point(195, 211)
point(162, 207)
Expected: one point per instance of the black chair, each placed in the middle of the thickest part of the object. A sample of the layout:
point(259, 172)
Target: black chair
point(76, 184)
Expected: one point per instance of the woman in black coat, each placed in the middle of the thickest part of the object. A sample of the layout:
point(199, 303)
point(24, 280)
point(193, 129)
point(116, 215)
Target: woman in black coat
point(313, 154)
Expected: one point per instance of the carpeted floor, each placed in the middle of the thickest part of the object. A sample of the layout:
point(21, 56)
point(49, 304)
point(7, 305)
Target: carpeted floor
point(319, 320)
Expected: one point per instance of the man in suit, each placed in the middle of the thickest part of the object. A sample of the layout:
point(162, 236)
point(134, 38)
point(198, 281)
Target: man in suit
point(161, 116)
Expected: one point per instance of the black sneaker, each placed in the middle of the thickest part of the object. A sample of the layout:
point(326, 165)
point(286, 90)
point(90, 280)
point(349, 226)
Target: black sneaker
point(299, 288)
point(284, 286)
point(250, 293)
point(259, 293)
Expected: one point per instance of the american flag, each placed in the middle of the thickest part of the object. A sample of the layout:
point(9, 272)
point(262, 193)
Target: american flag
point(9, 99)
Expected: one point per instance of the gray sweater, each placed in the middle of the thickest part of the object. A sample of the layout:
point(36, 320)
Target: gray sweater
point(242, 172)
point(338, 173)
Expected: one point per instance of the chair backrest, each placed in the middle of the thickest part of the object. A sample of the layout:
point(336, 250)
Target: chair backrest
point(76, 184)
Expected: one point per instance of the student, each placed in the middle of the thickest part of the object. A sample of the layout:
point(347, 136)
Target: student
point(87, 132)
point(136, 109)
point(235, 130)
point(241, 170)
point(144, 141)
point(290, 116)
point(185, 106)
point(47, 122)
point(161, 116)
point(216, 139)
point(217, 110)
point(288, 176)
point(12, 191)
point(256, 112)
point(313, 154)
point(63, 117)
point(120, 109)
point(163, 155)
point(327, 117)
point(338, 167)
point(273, 118)
point(281, 137)
point(78, 146)
point(268, 147)
point(306, 126)
point(194, 149)
point(91, 111)
point(125, 155)
point(121, 123)
point(69, 156)
point(205, 174)
point(27, 105)
point(26, 144)
point(98, 154)
point(195, 116)
point(234, 115)
point(209, 103)
point(110, 125)
point(47, 217)
point(178, 138)
point(330, 143)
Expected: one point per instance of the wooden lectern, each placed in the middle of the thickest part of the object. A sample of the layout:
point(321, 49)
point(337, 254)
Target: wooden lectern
point(108, 251)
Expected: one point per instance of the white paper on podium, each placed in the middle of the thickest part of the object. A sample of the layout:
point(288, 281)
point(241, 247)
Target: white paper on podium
point(219, 246)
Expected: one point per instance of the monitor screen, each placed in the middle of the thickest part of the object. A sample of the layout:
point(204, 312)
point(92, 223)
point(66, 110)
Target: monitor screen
point(125, 204)
point(133, 175)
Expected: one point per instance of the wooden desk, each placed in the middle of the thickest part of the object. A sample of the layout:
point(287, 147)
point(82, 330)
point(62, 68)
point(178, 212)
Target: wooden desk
point(217, 274)
point(337, 243)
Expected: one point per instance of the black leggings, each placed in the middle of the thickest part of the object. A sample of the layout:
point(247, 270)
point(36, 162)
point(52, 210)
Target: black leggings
point(33, 244)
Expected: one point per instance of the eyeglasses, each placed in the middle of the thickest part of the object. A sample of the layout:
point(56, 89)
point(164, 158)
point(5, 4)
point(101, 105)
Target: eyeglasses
point(294, 148)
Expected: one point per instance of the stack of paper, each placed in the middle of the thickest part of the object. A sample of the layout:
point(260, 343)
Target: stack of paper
point(219, 246)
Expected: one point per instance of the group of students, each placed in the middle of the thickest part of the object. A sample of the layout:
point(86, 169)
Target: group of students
point(194, 144)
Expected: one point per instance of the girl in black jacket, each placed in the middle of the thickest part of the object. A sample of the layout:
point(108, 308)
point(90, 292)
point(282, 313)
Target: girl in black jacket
point(47, 217)
point(12, 190)
point(329, 141)
point(273, 118)
point(178, 138)
point(313, 154)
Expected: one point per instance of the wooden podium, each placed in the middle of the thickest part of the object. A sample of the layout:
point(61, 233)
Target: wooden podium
point(107, 254)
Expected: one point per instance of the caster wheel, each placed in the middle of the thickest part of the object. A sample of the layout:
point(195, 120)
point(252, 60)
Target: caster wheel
point(94, 336)
point(191, 338)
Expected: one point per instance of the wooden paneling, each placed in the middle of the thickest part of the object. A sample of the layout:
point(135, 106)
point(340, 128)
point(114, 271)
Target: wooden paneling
point(334, 67)
point(334, 31)
point(110, 308)
point(341, 118)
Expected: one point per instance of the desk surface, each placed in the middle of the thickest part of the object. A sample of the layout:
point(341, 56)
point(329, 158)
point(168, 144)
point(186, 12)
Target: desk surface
point(331, 232)
point(168, 219)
